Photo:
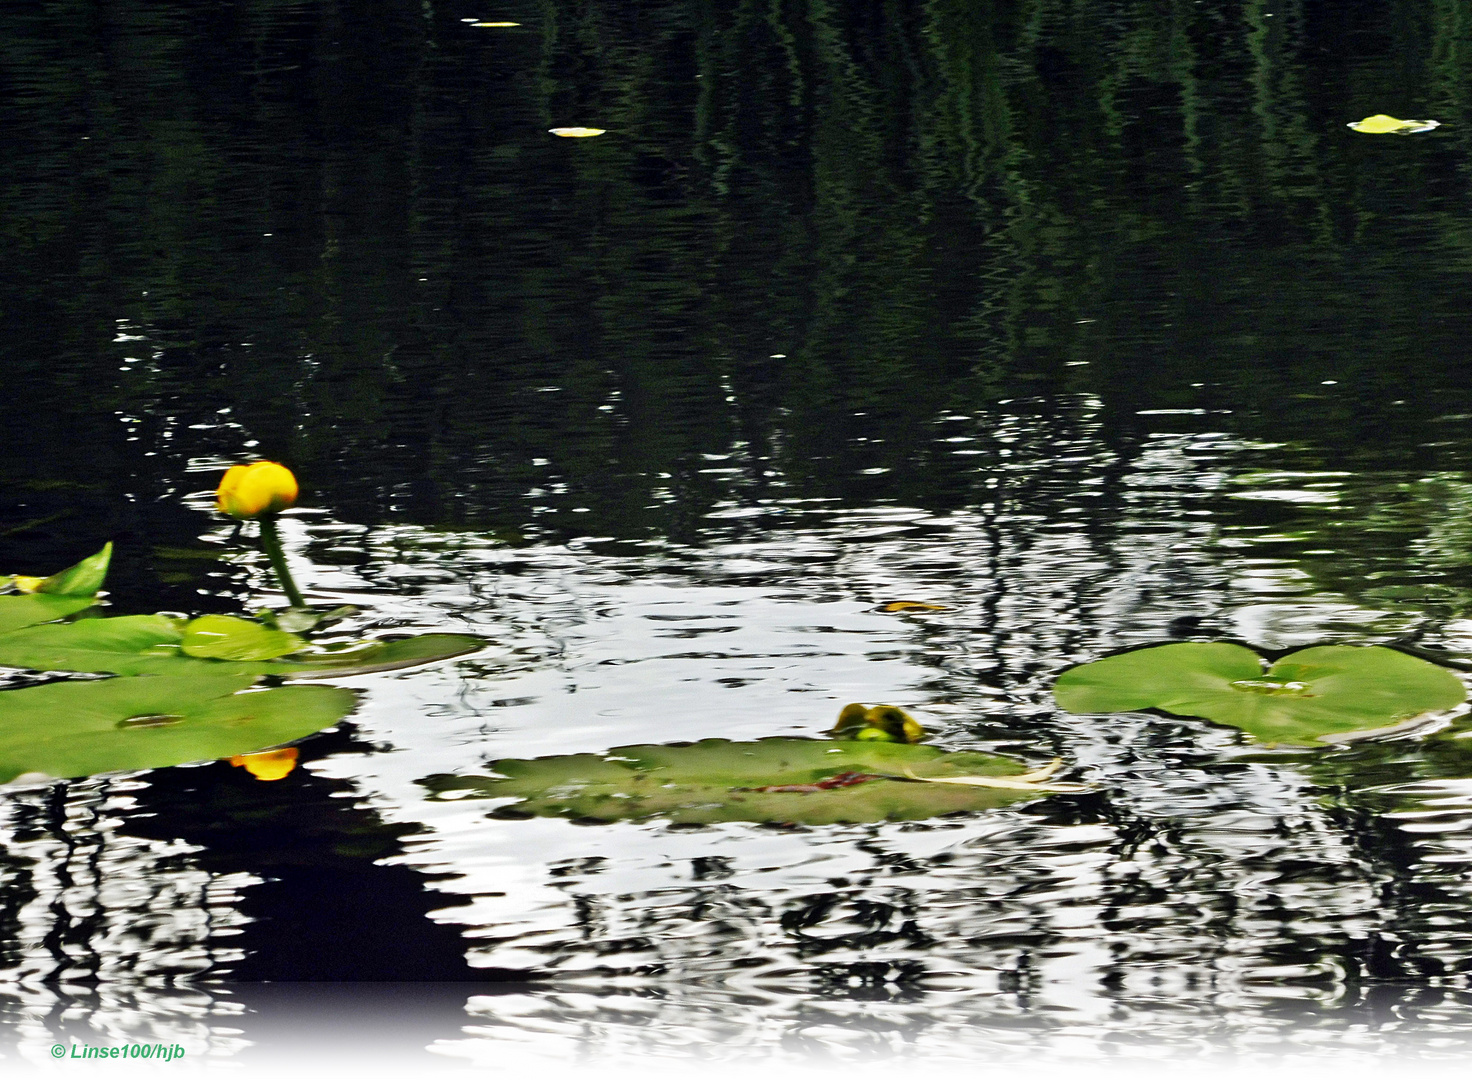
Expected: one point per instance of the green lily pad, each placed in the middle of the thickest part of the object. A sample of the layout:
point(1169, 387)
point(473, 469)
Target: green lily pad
point(718, 780)
point(153, 645)
point(128, 645)
point(83, 579)
point(381, 656)
point(20, 611)
point(71, 729)
point(1308, 698)
point(221, 637)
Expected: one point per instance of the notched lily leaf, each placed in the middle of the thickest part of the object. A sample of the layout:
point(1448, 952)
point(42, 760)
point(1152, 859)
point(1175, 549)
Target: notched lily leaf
point(1313, 697)
point(222, 637)
point(803, 781)
point(71, 729)
point(1380, 124)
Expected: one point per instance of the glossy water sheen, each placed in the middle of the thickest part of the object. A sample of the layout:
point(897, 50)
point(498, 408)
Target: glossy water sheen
point(1091, 324)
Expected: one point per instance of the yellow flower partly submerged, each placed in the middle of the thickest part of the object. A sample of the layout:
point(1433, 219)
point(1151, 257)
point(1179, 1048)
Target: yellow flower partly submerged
point(255, 490)
point(1380, 124)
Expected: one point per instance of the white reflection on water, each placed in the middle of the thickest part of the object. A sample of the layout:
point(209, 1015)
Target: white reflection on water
point(1204, 897)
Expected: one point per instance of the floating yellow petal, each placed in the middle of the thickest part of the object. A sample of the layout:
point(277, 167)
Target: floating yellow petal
point(1380, 124)
point(912, 605)
point(252, 491)
point(576, 132)
point(496, 24)
point(268, 765)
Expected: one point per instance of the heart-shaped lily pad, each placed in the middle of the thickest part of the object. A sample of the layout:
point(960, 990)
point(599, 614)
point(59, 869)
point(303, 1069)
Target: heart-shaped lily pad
point(804, 781)
point(80, 728)
point(1308, 698)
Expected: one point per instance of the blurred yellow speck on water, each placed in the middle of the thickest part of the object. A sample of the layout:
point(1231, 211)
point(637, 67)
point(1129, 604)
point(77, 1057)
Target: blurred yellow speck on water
point(1380, 124)
point(255, 490)
point(268, 765)
point(576, 132)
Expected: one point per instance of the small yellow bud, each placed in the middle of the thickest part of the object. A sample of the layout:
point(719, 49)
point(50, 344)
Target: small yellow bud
point(257, 489)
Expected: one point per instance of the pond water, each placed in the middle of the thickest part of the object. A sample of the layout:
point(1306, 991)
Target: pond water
point(1090, 325)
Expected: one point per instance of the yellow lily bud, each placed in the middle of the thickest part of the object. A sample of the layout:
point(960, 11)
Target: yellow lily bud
point(269, 764)
point(257, 489)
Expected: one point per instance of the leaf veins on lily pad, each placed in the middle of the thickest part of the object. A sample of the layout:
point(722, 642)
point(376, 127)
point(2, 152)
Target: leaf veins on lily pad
point(1312, 697)
point(800, 781)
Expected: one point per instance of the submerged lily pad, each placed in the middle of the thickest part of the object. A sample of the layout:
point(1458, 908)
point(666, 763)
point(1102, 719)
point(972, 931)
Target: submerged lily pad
point(155, 645)
point(804, 781)
point(71, 729)
point(382, 655)
point(1308, 698)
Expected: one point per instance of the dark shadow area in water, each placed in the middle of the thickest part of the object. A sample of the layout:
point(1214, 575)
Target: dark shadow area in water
point(327, 910)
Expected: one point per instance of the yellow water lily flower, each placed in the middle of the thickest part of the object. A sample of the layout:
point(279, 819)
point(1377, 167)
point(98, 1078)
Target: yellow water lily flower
point(269, 764)
point(881, 723)
point(255, 490)
point(1380, 124)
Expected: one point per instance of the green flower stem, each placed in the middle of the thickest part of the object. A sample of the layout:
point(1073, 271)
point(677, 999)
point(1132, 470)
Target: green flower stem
point(271, 541)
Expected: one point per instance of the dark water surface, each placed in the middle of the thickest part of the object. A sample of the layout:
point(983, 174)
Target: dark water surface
point(1090, 322)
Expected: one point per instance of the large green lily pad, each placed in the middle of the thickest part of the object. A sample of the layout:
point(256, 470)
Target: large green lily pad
point(1308, 698)
point(20, 611)
point(718, 780)
point(155, 644)
point(80, 728)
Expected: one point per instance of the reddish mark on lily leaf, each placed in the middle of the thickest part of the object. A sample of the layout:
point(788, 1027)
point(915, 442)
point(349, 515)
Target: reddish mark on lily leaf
point(841, 780)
